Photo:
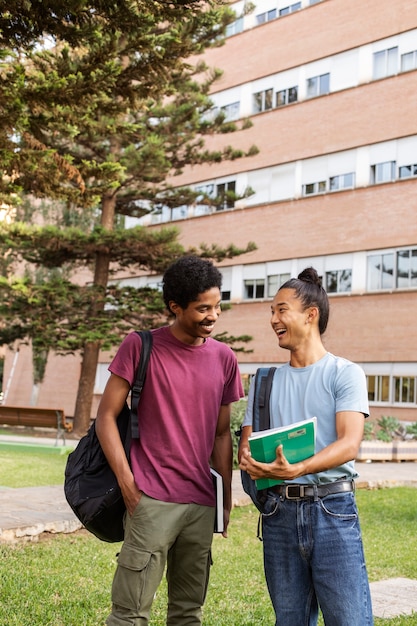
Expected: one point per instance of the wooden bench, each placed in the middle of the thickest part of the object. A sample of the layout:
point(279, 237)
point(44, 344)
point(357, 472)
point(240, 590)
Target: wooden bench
point(36, 417)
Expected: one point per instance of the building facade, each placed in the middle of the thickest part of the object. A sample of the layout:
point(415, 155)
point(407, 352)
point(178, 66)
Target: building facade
point(330, 89)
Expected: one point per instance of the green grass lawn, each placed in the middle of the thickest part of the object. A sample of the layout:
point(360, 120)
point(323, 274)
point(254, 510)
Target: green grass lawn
point(65, 580)
point(29, 466)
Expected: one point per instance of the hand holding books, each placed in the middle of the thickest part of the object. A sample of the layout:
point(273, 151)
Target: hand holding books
point(298, 441)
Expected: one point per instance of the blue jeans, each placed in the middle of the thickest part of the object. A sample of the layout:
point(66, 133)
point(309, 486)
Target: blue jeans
point(313, 557)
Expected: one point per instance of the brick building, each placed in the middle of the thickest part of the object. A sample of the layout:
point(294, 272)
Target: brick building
point(330, 88)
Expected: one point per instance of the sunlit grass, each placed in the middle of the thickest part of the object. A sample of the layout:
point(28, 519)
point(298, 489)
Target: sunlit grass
point(65, 580)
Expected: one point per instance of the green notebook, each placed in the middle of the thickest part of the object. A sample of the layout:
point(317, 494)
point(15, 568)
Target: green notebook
point(298, 440)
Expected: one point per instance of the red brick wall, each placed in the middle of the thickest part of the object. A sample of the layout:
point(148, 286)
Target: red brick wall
point(372, 113)
point(363, 219)
point(313, 33)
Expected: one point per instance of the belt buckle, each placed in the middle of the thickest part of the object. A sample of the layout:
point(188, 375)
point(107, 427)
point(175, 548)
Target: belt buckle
point(297, 489)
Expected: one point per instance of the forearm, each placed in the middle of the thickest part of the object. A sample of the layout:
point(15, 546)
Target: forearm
point(244, 443)
point(335, 454)
point(108, 435)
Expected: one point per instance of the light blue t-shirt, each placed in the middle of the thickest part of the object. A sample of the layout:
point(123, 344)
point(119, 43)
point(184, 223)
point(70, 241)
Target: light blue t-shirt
point(330, 385)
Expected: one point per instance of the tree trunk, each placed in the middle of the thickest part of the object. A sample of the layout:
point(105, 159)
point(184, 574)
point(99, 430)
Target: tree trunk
point(91, 351)
point(82, 411)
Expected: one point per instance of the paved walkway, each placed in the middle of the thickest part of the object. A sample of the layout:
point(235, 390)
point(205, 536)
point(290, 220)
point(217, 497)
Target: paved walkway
point(26, 513)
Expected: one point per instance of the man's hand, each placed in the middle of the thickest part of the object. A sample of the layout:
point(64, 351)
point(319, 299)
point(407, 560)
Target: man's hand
point(131, 495)
point(279, 468)
point(226, 517)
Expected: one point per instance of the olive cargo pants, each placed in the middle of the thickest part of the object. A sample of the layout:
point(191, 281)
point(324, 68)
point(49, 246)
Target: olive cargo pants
point(158, 534)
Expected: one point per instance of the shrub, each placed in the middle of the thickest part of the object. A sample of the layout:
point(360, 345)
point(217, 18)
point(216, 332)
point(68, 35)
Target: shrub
point(388, 428)
point(238, 413)
point(411, 429)
point(368, 431)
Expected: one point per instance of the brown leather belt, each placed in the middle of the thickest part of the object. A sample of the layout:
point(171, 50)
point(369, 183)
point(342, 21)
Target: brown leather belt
point(299, 491)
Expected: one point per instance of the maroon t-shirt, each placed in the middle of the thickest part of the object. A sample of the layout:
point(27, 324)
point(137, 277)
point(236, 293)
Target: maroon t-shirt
point(184, 389)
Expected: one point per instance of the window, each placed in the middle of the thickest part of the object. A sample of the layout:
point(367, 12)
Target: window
point(313, 188)
point(205, 191)
point(318, 85)
point(286, 96)
point(262, 100)
point(261, 18)
point(225, 196)
point(380, 271)
point(339, 281)
point(274, 283)
point(383, 172)
point(406, 268)
point(406, 171)
point(231, 111)
point(385, 63)
point(409, 61)
point(404, 389)
point(222, 196)
point(378, 388)
point(179, 213)
point(343, 181)
point(235, 28)
point(393, 270)
point(226, 296)
point(293, 7)
point(254, 288)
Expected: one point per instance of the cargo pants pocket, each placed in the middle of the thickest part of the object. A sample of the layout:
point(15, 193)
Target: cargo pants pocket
point(131, 584)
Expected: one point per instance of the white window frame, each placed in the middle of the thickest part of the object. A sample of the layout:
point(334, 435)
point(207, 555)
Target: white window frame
point(263, 97)
point(289, 98)
point(407, 171)
point(255, 284)
point(274, 283)
point(385, 63)
point(342, 181)
point(318, 85)
point(343, 280)
point(383, 172)
point(409, 61)
point(313, 189)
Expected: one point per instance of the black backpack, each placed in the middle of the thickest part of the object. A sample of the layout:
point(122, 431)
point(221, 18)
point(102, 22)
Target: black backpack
point(261, 421)
point(90, 486)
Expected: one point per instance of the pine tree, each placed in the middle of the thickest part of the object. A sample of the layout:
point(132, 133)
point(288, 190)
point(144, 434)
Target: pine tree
point(100, 108)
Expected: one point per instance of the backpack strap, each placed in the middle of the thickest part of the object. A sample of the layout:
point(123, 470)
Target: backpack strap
point(263, 385)
point(145, 352)
point(260, 421)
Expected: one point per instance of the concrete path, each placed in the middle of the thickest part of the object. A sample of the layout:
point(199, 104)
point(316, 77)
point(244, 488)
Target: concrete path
point(28, 512)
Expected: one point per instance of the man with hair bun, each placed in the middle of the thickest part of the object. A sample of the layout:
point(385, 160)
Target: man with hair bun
point(313, 552)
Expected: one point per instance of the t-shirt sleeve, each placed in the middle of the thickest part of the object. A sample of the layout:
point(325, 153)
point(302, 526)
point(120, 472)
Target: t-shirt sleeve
point(127, 357)
point(352, 394)
point(248, 419)
point(233, 389)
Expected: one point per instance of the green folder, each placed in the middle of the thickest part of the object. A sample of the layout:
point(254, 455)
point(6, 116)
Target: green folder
point(298, 441)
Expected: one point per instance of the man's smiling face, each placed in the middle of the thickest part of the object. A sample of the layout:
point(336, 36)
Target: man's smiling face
point(288, 318)
point(197, 321)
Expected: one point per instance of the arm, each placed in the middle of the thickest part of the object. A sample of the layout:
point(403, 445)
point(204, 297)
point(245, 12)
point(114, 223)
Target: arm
point(243, 444)
point(222, 458)
point(349, 430)
point(111, 404)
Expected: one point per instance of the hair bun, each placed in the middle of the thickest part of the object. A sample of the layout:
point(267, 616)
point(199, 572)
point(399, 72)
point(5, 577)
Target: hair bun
point(309, 275)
